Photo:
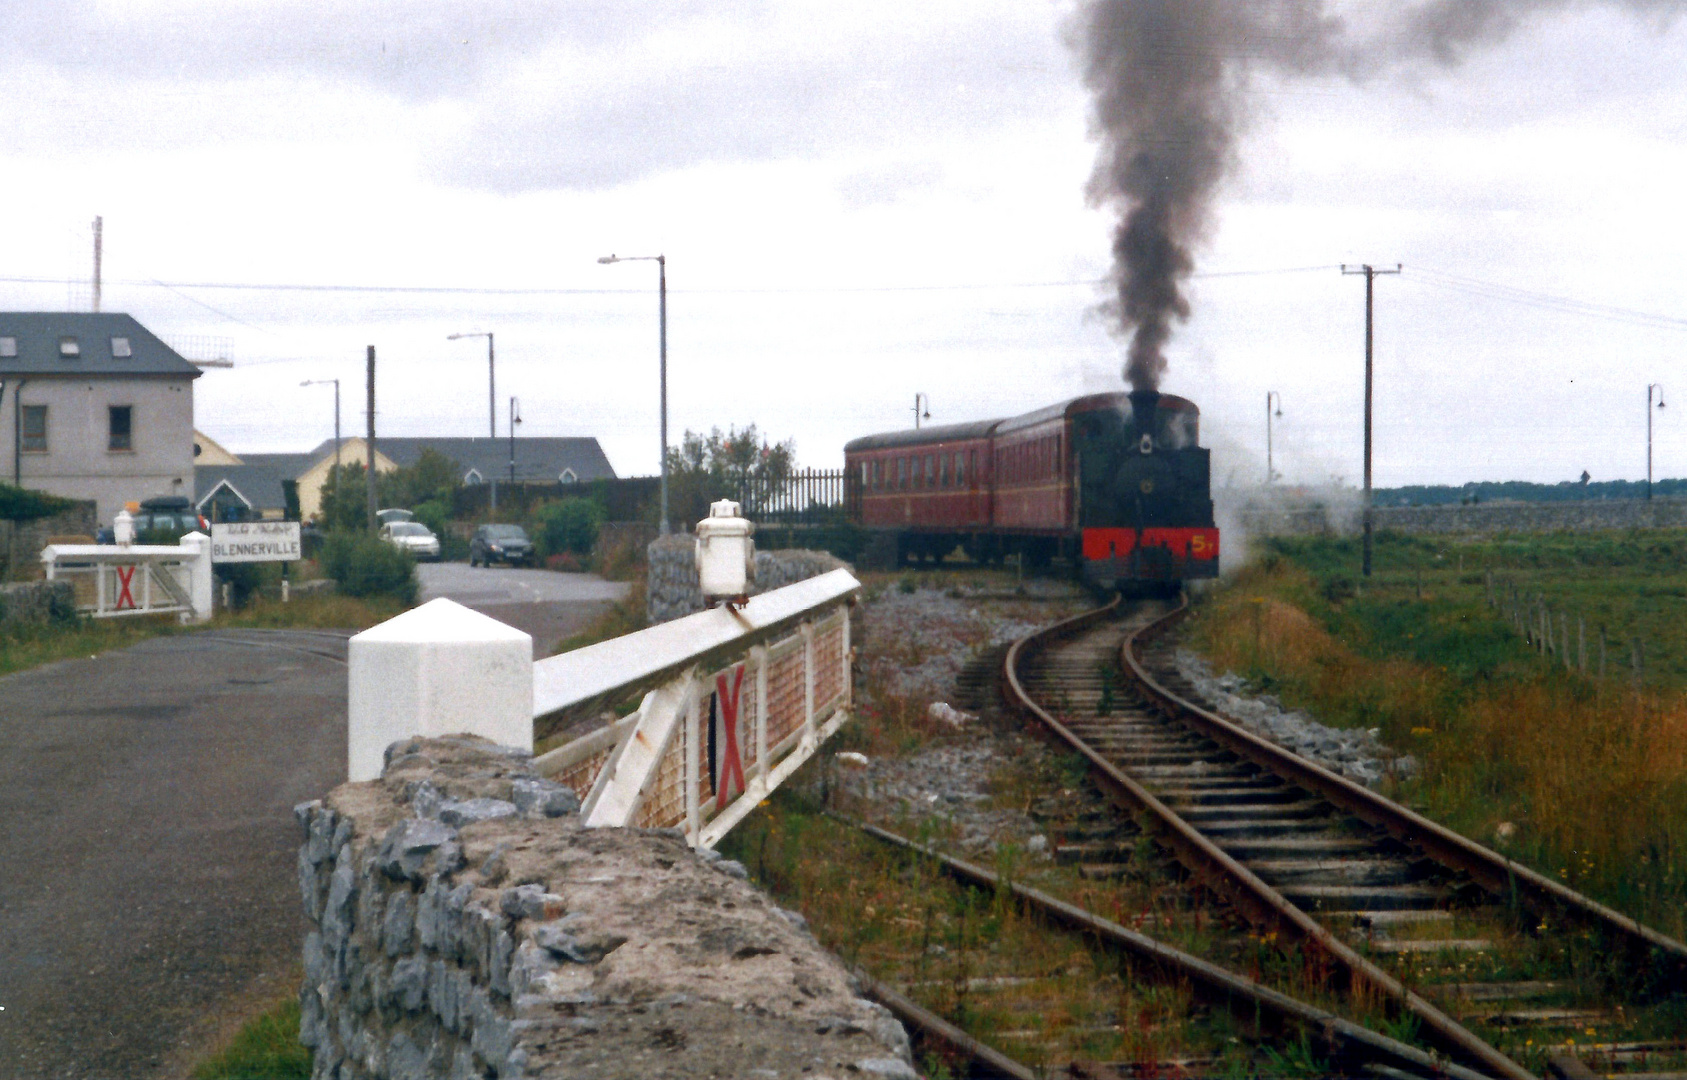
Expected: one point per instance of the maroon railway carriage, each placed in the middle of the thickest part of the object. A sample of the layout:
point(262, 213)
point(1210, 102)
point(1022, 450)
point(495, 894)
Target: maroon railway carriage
point(1117, 483)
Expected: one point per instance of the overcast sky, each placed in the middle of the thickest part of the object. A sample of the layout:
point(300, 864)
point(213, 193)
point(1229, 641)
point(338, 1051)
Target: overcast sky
point(858, 201)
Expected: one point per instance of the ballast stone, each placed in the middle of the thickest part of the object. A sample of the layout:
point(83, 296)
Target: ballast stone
point(518, 944)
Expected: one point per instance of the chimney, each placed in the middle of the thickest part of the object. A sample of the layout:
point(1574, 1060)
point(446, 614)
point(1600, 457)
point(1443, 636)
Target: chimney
point(1145, 406)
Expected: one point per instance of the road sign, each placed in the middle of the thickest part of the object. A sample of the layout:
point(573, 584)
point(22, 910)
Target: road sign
point(255, 541)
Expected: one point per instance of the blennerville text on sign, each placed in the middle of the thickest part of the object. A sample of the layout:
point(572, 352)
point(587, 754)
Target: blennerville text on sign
point(255, 541)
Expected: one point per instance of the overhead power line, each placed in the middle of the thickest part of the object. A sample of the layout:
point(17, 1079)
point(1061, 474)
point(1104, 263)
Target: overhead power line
point(1546, 301)
point(476, 290)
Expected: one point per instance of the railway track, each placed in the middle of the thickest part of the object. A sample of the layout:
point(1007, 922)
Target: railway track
point(1494, 966)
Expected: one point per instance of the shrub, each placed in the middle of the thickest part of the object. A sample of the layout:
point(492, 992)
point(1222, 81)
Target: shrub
point(435, 514)
point(362, 565)
point(567, 525)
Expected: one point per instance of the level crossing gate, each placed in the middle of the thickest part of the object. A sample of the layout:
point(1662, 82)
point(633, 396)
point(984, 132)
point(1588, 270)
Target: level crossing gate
point(733, 701)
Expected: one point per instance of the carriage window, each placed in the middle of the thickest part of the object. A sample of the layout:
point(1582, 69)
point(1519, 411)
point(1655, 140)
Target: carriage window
point(866, 475)
point(942, 470)
point(960, 469)
point(930, 473)
point(878, 473)
point(902, 472)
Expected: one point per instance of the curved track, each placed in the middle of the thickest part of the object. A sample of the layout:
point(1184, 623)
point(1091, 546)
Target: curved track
point(1366, 882)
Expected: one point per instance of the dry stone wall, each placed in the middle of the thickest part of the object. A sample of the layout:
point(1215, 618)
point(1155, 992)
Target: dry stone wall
point(21, 542)
point(673, 590)
point(464, 924)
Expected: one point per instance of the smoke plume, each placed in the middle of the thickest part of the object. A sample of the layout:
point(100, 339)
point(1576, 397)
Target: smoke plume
point(1167, 78)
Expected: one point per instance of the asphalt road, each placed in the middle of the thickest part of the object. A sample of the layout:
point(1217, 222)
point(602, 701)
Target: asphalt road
point(148, 890)
point(548, 605)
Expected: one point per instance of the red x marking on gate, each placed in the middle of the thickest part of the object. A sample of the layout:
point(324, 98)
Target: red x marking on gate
point(125, 598)
point(730, 765)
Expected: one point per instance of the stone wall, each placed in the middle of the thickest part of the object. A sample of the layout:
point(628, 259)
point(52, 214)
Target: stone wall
point(36, 603)
point(1589, 515)
point(673, 590)
point(464, 924)
point(21, 544)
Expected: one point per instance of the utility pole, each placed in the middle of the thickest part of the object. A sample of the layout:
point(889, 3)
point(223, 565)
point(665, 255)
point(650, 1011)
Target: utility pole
point(99, 246)
point(515, 418)
point(369, 473)
point(1270, 469)
point(1649, 388)
point(1371, 274)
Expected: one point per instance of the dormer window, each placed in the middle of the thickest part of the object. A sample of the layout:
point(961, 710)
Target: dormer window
point(68, 346)
point(120, 348)
point(567, 477)
point(472, 477)
point(8, 347)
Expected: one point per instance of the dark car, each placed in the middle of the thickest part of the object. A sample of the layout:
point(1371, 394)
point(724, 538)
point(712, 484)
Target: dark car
point(162, 520)
point(500, 543)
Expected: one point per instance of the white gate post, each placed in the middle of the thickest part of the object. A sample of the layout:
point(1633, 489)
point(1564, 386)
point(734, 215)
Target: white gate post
point(440, 669)
point(199, 577)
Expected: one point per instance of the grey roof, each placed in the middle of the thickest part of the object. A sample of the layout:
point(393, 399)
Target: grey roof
point(536, 458)
point(261, 485)
point(940, 433)
point(37, 334)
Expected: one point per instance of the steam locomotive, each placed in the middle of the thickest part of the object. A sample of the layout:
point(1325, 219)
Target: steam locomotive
point(1115, 483)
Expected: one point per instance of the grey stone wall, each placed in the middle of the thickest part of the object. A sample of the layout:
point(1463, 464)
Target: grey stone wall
point(21, 544)
point(464, 924)
point(1590, 515)
point(673, 591)
point(36, 603)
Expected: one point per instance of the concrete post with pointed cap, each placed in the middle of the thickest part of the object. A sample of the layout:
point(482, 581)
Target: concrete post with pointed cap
point(440, 669)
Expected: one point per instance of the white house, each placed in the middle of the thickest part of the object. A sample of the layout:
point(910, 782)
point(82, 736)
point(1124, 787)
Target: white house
point(94, 406)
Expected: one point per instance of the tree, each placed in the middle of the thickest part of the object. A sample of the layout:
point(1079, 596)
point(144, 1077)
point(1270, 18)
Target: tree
point(345, 499)
point(734, 466)
point(431, 478)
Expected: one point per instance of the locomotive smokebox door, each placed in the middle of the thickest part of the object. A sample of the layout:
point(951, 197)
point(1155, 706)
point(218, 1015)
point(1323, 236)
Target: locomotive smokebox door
point(726, 556)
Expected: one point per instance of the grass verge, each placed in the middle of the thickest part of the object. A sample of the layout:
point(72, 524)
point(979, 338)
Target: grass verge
point(1582, 777)
point(266, 1048)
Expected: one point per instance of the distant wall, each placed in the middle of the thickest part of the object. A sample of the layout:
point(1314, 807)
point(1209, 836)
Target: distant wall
point(673, 590)
point(20, 545)
point(1477, 518)
point(36, 603)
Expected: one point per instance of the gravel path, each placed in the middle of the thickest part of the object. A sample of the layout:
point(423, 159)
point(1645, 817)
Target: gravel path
point(149, 886)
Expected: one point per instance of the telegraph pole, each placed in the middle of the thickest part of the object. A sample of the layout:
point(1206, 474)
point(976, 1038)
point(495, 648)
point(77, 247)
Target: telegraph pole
point(99, 250)
point(1371, 274)
point(369, 473)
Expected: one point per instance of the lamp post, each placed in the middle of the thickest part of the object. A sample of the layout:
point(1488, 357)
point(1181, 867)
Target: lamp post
point(661, 262)
point(515, 418)
point(1270, 471)
point(491, 381)
point(917, 416)
point(1660, 389)
point(339, 477)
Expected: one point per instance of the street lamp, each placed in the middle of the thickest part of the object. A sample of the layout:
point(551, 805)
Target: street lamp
point(491, 382)
point(515, 418)
point(661, 262)
point(339, 477)
point(1270, 473)
point(917, 414)
point(1660, 389)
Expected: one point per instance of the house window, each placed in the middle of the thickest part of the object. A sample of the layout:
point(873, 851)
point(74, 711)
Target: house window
point(34, 437)
point(122, 428)
point(120, 348)
point(567, 476)
point(68, 346)
point(8, 347)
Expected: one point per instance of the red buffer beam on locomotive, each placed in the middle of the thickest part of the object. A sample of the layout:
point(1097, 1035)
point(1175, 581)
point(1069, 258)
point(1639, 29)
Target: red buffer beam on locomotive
point(1116, 483)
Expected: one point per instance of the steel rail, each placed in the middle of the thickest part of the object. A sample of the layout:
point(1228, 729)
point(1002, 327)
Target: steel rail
point(1257, 900)
point(1497, 874)
point(1219, 982)
point(910, 1012)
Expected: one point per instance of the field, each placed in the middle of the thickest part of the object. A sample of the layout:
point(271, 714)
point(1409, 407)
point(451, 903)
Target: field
point(1523, 745)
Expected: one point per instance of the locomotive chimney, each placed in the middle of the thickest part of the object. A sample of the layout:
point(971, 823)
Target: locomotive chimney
point(1144, 407)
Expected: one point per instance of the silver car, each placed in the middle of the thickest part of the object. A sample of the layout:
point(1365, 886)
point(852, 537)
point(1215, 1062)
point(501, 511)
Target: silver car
point(412, 536)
